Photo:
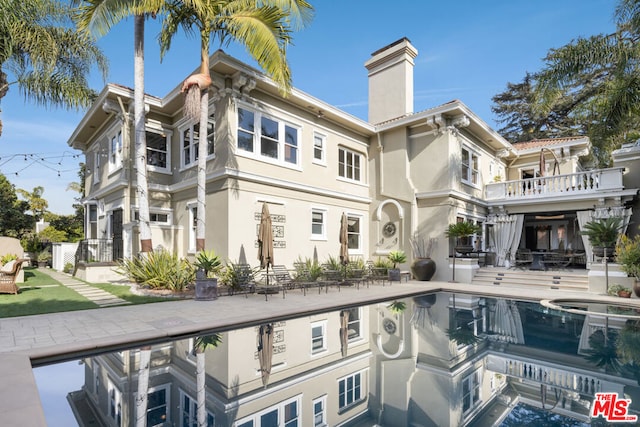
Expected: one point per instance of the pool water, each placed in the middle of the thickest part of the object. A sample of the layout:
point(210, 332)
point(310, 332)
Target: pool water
point(440, 359)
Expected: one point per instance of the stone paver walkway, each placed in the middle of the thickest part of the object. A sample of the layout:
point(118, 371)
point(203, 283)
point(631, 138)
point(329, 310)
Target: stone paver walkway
point(96, 295)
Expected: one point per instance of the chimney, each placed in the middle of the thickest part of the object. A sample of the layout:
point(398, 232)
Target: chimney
point(391, 81)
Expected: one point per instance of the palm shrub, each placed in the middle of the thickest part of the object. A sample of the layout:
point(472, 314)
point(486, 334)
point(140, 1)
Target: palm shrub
point(307, 269)
point(397, 257)
point(603, 232)
point(383, 264)
point(159, 270)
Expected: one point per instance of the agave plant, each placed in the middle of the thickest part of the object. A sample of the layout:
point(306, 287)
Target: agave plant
point(159, 270)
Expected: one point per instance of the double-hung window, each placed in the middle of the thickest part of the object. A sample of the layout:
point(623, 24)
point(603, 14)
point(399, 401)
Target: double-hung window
point(319, 144)
point(353, 233)
point(320, 412)
point(470, 391)
point(318, 224)
point(193, 221)
point(115, 403)
point(285, 414)
point(158, 151)
point(158, 406)
point(190, 137)
point(267, 137)
point(354, 326)
point(96, 167)
point(115, 151)
point(350, 391)
point(189, 408)
point(318, 337)
point(349, 164)
point(470, 166)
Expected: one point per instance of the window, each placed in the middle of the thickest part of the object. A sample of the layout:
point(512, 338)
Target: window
point(318, 340)
point(470, 162)
point(189, 412)
point(318, 218)
point(96, 377)
point(96, 167)
point(350, 391)
point(155, 217)
point(92, 221)
point(354, 325)
point(193, 220)
point(320, 412)
point(157, 406)
point(349, 164)
point(115, 151)
point(285, 414)
point(115, 403)
point(157, 150)
point(470, 392)
point(353, 232)
point(190, 138)
point(277, 140)
point(319, 142)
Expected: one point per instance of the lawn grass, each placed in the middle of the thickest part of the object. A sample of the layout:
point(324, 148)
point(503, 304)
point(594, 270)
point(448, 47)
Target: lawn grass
point(40, 294)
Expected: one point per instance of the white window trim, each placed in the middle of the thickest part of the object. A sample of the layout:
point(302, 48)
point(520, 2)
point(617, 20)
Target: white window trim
point(257, 138)
point(162, 211)
point(323, 159)
point(181, 408)
point(360, 249)
point(167, 135)
point(323, 401)
point(191, 229)
point(468, 180)
point(96, 167)
point(191, 128)
point(363, 391)
point(323, 236)
point(361, 166)
point(115, 159)
point(361, 334)
point(255, 417)
point(473, 386)
point(322, 324)
point(117, 401)
point(166, 387)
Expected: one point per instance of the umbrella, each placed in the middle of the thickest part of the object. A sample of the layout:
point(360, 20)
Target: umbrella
point(265, 242)
point(344, 331)
point(265, 351)
point(344, 240)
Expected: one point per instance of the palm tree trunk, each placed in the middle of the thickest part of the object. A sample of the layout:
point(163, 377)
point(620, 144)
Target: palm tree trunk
point(201, 413)
point(143, 386)
point(202, 146)
point(142, 188)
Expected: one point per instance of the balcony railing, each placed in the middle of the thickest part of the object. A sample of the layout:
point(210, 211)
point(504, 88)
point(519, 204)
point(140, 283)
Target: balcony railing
point(545, 186)
point(95, 250)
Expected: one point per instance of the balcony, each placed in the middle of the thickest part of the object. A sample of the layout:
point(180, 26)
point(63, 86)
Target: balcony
point(575, 184)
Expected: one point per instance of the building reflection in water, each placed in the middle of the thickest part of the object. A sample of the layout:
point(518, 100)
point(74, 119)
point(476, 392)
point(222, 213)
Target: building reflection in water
point(438, 360)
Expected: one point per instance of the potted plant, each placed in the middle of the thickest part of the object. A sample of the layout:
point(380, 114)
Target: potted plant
point(208, 265)
point(396, 257)
point(462, 232)
point(43, 258)
point(422, 267)
point(628, 256)
point(618, 290)
point(603, 234)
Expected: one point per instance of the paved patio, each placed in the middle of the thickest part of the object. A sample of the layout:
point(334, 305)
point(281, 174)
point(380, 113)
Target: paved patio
point(41, 339)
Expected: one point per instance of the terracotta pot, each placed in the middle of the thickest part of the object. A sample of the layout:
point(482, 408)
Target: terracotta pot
point(624, 294)
point(636, 288)
point(423, 268)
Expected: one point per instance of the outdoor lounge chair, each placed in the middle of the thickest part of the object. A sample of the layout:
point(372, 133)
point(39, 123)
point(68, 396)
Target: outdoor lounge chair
point(9, 275)
point(282, 278)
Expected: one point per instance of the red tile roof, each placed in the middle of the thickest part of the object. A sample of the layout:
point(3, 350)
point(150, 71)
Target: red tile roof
point(544, 142)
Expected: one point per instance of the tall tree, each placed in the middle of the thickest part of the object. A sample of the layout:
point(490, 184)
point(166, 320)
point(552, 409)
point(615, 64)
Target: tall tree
point(200, 345)
point(37, 204)
point(14, 221)
point(262, 26)
point(44, 56)
point(98, 17)
point(603, 73)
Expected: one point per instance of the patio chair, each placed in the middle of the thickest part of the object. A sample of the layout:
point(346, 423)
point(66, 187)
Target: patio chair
point(377, 274)
point(283, 279)
point(524, 258)
point(8, 275)
point(556, 260)
point(245, 277)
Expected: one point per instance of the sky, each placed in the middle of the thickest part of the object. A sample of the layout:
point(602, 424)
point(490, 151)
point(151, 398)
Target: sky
point(467, 50)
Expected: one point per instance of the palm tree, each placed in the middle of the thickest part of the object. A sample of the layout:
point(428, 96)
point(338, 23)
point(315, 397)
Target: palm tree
point(44, 56)
point(142, 397)
point(263, 27)
point(98, 17)
point(200, 345)
point(602, 75)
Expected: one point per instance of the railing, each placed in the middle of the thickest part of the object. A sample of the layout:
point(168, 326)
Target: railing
point(575, 183)
point(95, 250)
point(579, 381)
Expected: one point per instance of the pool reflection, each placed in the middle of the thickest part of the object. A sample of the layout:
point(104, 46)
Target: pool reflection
point(441, 359)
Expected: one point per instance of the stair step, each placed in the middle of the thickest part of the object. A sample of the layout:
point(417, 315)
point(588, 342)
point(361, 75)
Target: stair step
point(569, 279)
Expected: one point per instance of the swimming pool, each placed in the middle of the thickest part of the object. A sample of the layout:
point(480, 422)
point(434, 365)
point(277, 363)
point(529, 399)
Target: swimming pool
point(438, 359)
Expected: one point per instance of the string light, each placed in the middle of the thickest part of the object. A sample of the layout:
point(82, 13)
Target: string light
point(50, 160)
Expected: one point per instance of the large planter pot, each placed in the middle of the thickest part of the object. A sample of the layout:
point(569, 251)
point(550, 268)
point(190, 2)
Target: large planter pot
point(206, 289)
point(394, 274)
point(464, 249)
point(599, 251)
point(423, 268)
point(636, 288)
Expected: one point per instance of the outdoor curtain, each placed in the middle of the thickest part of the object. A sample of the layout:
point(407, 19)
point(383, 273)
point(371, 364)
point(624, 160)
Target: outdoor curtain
point(507, 233)
point(586, 216)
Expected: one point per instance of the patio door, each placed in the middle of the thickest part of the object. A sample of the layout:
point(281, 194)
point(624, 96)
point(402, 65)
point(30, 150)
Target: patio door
point(116, 224)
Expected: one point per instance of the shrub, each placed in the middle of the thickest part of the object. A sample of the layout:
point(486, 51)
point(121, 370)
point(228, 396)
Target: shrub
point(628, 255)
point(159, 270)
point(382, 263)
point(233, 274)
point(68, 268)
point(8, 257)
point(307, 269)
